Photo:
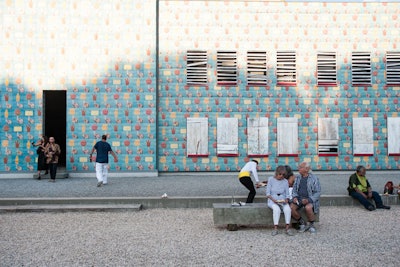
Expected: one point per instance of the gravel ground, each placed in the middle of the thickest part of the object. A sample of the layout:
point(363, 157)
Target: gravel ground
point(347, 236)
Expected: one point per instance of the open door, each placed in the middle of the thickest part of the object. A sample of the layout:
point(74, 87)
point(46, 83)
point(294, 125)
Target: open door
point(55, 119)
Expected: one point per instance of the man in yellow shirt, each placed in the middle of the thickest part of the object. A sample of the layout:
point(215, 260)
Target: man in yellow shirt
point(360, 189)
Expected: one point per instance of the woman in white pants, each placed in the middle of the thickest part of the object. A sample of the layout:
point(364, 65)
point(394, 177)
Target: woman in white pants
point(278, 199)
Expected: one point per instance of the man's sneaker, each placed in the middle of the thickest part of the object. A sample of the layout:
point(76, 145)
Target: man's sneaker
point(303, 228)
point(274, 232)
point(289, 232)
point(383, 207)
point(312, 229)
point(371, 208)
point(99, 184)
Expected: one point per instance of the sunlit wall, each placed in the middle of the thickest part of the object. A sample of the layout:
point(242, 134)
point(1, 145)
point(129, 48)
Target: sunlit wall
point(103, 54)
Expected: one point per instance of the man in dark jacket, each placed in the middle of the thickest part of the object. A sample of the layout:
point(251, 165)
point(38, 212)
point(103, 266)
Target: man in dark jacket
point(360, 189)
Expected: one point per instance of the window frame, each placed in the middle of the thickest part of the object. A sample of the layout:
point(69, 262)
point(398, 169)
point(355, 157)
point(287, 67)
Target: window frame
point(326, 68)
point(257, 62)
point(361, 66)
point(227, 67)
point(392, 70)
point(197, 68)
point(285, 61)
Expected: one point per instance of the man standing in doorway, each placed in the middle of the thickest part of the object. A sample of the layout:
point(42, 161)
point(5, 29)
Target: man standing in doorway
point(102, 150)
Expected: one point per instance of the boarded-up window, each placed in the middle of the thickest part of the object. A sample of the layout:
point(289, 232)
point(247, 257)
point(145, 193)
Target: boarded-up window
point(226, 68)
point(326, 69)
point(328, 136)
point(197, 137)
point(393, 128)
point(227, 137)
point(361, 68)
point(363, 144)
point(196, 67)
point(393, 68)
point(287, 137)
point(257, 137)
point(256, 68)
point(286, 67)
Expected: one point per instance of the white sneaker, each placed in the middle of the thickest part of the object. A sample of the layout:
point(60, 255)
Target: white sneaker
point(303, 228)
point(312, 229)
point(289, 232)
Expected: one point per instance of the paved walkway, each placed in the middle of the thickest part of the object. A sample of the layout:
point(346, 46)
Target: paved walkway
point(174, 185)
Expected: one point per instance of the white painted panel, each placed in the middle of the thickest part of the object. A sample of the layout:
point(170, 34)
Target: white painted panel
point(287, 136)
point(363, 142)
point(328, 129)
point(393, 127)
point(328, 136)
point(227, 136)
point(257, 136)
point(197, 136)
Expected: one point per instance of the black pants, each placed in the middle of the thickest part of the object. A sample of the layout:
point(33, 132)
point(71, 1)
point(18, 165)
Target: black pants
point(248, 183)
point(53, 170)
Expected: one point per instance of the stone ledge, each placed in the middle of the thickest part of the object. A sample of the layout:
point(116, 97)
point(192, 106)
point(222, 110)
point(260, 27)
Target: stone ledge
point(249, 214)
point(68, 208)
point(175, 202)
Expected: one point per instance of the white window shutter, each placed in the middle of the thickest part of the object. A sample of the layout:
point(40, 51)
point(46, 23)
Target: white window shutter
point(288, 137)
point(393, 130)
point(197, 137)
point(257, 137)
point(328, 136)
point(227, 137)
point(363, 143)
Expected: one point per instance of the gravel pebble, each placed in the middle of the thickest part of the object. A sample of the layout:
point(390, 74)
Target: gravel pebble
point(347, 236)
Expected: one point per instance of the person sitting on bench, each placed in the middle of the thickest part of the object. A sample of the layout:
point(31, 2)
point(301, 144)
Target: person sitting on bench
point(360, 189)
point(306, 194)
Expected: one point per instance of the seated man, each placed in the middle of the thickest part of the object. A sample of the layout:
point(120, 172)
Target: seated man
point(360, 189)
point(306, 194)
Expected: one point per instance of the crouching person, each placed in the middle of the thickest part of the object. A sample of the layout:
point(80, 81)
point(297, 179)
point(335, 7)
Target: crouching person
point(306, 194)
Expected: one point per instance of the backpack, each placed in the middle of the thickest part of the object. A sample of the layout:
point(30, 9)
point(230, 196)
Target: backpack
point(388, 188)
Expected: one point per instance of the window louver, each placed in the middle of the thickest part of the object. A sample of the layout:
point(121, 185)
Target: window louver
point(196, 67)
point(256, 68)
point(226, 68)
point(286, 67)
point(393, 68)
point(361, 68)
point(326, 69)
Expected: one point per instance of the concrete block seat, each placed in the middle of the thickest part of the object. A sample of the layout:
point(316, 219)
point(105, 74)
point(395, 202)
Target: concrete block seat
point(249, 214)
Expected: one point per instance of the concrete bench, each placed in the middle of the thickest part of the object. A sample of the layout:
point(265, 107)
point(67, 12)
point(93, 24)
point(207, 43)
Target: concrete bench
point(249, 214)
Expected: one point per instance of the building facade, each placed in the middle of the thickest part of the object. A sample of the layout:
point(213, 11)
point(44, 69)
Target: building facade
point(185, 86)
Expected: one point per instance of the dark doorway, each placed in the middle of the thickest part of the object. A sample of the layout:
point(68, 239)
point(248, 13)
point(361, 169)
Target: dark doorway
point(55, 119)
